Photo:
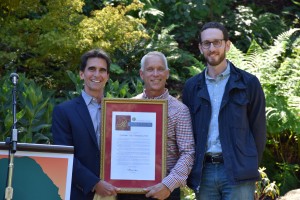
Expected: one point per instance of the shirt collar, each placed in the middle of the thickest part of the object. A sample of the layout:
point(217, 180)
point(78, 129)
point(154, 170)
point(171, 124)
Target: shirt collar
point(222, 75)
point(165, 95)
point(87, 98)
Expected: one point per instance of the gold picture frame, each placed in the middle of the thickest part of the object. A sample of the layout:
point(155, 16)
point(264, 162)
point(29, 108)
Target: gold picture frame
point(133, 141)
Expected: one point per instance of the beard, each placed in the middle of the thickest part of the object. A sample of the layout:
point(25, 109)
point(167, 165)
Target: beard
point(216, 60)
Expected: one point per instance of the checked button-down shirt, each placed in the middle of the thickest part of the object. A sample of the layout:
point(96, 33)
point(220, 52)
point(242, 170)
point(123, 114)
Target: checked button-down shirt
point(180, 141)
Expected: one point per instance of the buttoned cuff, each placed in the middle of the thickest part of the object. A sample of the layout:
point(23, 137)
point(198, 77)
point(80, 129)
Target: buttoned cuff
point(171, 183)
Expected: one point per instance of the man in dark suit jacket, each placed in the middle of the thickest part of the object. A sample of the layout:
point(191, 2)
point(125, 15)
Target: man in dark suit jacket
point(77, 123)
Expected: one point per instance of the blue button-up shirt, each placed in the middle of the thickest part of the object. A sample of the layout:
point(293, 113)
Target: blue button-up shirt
point(95, 112)
point(216, 88)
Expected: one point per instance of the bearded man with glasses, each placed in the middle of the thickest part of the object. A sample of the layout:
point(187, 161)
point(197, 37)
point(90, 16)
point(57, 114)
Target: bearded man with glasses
point(227, 107)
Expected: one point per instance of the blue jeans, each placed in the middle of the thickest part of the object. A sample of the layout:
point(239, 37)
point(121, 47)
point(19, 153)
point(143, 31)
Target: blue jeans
point(215, 185)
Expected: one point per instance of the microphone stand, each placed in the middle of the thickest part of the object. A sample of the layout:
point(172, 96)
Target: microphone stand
point(13, 140)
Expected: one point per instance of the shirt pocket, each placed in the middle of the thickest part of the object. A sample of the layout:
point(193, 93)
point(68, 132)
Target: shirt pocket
point(237, 111)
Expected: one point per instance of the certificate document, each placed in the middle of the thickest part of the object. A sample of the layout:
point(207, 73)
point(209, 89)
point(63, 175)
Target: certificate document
point(133, 145)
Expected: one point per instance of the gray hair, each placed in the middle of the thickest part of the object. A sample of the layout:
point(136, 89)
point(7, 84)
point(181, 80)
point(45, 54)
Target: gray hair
point(154, 53)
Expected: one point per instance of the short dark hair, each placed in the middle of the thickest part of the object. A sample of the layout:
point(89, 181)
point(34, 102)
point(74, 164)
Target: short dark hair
point(94, 53)
point(216, 25)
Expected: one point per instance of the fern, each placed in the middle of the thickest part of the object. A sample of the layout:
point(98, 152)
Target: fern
point(278, 68)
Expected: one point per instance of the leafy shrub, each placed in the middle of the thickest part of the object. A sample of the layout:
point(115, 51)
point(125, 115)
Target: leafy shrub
point(34, 109)
point(45, 38)
point(278, 67)
point(265, 189)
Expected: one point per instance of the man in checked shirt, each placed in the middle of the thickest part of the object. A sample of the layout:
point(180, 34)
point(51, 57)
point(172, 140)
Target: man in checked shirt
point(180, 143)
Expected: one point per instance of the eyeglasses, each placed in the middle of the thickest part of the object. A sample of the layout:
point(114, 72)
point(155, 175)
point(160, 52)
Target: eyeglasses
point(217, 43)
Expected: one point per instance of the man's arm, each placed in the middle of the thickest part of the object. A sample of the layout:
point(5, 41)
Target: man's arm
point(82, 177)
point(178, 175)
point(257, 115)
point(186, 146)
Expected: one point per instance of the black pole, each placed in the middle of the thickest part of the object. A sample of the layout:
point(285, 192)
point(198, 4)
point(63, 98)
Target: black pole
point(13, 139)
point(14, 136)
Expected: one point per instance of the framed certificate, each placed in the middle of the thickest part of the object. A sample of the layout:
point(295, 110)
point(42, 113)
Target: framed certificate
point(133, 143)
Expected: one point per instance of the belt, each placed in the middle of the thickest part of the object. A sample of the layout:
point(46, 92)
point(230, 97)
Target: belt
point(214, 159)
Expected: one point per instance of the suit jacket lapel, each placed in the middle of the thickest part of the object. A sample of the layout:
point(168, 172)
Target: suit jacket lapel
point(84, 114)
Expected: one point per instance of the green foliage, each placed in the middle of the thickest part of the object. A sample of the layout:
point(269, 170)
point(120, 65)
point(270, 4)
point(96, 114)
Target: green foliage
point(244, 26)
point(278, 70)
point(288, 176)
point(44, 38)
point(91, 5)
point(265, 189)
point(116, 90)
point(187, 193)
point(293, 11)
point(34, 110)
point(36, 121)
point(282, 88)
point(78, 83)
point(283, 84)
point(184, 15)
point(6, 119)
point(111, 29)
